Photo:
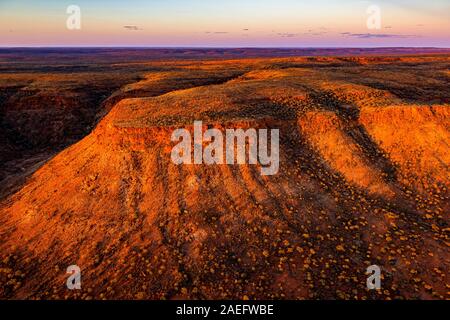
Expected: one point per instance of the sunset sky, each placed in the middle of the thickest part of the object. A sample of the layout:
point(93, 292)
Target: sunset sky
point(230, 23)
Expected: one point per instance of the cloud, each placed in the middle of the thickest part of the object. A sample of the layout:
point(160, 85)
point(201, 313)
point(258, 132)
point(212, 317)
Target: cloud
point(217, 32)
point(376, 35)
point(132, 28)
point(288, 35)
point(311, 32)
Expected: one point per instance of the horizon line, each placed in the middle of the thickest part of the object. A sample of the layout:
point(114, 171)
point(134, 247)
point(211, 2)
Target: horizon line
point(215, 47)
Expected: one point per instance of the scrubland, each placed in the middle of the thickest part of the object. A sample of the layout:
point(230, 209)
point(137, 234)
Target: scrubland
point(364, 180)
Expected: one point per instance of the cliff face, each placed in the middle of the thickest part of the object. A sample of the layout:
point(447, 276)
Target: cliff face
point(42, 113)
point(363, 180)
point(416, 139)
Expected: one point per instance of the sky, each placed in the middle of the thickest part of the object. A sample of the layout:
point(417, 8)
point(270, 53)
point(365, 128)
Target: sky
point(226, 23)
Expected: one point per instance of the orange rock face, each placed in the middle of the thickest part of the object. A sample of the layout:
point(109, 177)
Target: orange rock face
point(363, 180)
